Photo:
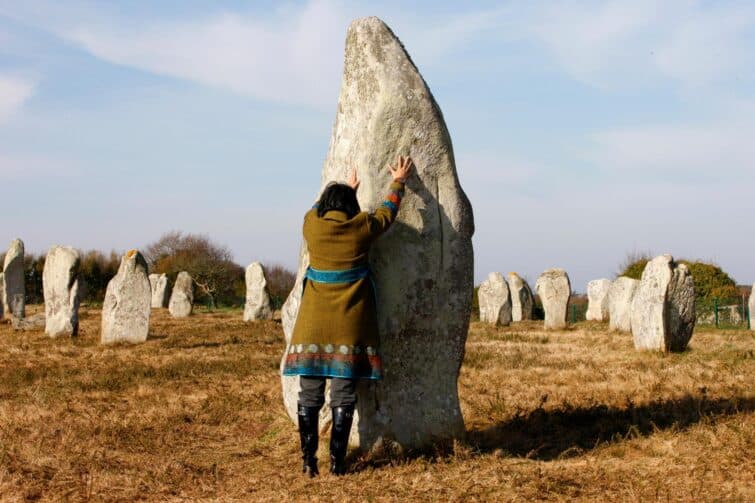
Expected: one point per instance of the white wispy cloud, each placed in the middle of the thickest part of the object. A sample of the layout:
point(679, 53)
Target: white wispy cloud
point(14, 92)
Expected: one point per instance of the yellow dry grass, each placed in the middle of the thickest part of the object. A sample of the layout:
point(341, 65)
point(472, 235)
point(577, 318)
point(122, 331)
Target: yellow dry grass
point(195, 413)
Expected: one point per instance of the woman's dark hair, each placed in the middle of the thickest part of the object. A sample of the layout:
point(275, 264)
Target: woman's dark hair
point(338, 197)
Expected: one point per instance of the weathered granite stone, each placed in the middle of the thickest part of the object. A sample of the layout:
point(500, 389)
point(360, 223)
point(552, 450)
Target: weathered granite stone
point(14, 293)
point(495, 300)
point(182, 298)
point(257, 305)
point(60, 283)
point(554, 289)
point(423, 265)
point(521, 298)
point(751, 307)
point(125, 312)
point(620, 296)
point(597, 299)
point(663, 308)
point(160, 287)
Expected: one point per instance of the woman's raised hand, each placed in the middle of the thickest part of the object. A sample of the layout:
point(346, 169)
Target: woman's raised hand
point(353, 181)
point(402, 170)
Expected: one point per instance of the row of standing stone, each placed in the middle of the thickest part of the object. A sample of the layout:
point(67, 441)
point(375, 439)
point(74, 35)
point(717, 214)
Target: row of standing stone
point(658, 309)
point(129, 298)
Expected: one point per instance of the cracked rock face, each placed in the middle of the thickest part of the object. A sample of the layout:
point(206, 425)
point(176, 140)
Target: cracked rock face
point(663, 307)
point(554, 289)
point(182, 299)
point(422, 267)
point(521, 298)
point(160, 290)
point(126, 309)
point(14, 292)
point(495, 300)
point(60, 283)
point(597, 298)
point(257, 305)
point(620, 296)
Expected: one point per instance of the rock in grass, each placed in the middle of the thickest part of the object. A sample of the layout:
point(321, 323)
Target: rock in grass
point(751, 307)
point(554, 289)
point(495, 300)
point(257, 305)
point(14, 292)
point(620, 296)
point(597, 299)
point(663, 308)
point(521, 298)
point(60, 283)
point(182, 299)
point(125, 311)
point(423, 265)
point(160, 290)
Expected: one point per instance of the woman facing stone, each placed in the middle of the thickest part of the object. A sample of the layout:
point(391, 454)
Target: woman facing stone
point(336, 332)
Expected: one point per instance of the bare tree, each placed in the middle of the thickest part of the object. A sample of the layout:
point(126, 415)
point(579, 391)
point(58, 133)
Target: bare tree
point(209, 264)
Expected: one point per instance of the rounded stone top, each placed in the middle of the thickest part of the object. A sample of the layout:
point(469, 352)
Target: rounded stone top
point(131, 253)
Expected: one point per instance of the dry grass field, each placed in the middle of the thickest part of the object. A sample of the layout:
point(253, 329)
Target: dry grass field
point(195, 413)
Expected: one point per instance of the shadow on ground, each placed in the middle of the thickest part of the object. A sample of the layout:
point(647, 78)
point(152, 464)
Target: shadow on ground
point(550, 434)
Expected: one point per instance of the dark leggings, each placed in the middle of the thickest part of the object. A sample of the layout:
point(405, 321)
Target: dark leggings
point(312, 394)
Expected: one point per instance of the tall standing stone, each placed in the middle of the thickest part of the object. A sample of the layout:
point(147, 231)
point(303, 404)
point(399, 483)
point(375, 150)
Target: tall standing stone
point(663, 308)
point(554, 289)
point(14, 292)
point(495, 300)
point(257, 305)
point(182, 299)
point(2, 295)
point(422, 267)
point(751, 307)
point(160, 290)
point(521, 298)
point(125, 312)
point(620, 296)
point(60, 283)
point(597, 299)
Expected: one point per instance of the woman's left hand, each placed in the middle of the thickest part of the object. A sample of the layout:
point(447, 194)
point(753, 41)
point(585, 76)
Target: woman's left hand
point(353, 180)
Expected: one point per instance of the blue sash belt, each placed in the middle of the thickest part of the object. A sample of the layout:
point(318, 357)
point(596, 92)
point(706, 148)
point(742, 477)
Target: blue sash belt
point(342, 276)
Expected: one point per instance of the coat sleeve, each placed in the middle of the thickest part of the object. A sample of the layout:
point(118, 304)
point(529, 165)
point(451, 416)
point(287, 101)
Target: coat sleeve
point(385, 215)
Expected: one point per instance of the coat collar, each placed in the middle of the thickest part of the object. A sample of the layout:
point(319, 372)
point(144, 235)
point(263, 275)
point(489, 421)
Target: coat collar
point(338, 216)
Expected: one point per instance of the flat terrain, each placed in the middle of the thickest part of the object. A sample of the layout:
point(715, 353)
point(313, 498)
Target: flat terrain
point(196, 413)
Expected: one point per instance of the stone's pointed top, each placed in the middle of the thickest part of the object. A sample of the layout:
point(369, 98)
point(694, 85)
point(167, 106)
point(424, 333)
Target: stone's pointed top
point(131, 253)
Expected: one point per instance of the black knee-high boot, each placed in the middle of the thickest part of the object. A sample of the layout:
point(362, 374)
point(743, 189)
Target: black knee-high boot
point(308, 434)
point(339, 438)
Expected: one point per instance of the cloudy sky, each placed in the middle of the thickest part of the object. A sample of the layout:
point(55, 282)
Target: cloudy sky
point(583, 131)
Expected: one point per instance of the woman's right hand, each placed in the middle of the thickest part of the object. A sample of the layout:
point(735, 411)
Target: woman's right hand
point(402, 170)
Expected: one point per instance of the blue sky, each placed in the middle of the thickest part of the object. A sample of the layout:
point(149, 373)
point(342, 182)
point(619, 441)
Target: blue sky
point(582, 130)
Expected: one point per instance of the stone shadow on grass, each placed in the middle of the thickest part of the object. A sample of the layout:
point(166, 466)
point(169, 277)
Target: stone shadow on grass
point(550, 434)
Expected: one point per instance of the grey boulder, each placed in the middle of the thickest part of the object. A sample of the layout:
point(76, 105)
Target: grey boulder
point(663, 308)
point(521, 298)
point(14, 291)
point(60, 283)
point(597, 299)
point(160, 287)
point(620, 297)
point(126, 309)
point(495, 300)
point(554, 289)
point(182, 298)
point(257, 306)
point(422, 267)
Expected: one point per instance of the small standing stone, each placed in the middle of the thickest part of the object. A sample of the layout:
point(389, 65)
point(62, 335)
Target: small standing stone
point(554, 289)
point(2, 295)
point(182, 298)
point(14, 292)
point(125, 312)
point(751, 306)
point(257, 305)
point(663, 308)
point(60, 283)
point(521, 298)
point(597, 297)
point(495, 300)
point(159, 285)
point(620, 297)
